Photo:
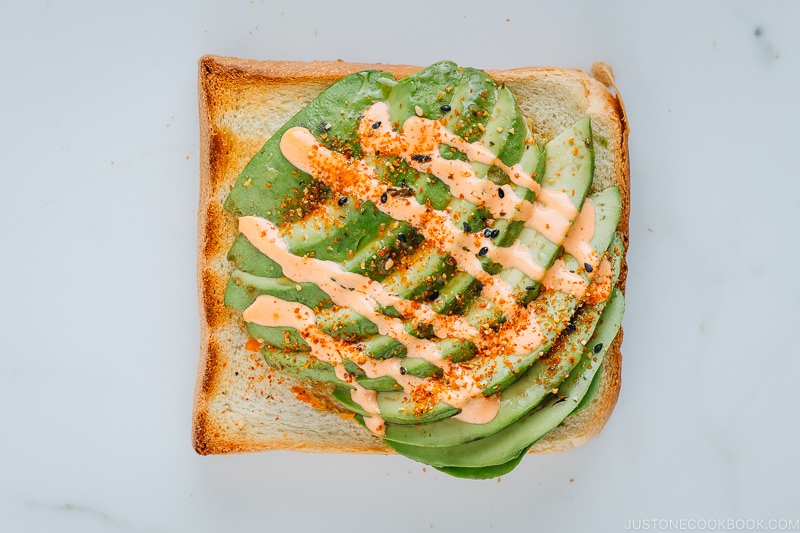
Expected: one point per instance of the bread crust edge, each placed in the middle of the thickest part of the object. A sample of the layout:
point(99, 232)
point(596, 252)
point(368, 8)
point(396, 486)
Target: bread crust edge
point(209, 436)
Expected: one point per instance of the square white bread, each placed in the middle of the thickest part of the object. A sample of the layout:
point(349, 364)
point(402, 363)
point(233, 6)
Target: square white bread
point(242, 405)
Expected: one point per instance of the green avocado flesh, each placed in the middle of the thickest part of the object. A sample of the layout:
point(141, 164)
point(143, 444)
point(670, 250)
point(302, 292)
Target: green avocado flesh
point(536, 390)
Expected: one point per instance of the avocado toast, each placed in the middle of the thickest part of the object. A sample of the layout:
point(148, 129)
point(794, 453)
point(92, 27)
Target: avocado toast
point(436, 254)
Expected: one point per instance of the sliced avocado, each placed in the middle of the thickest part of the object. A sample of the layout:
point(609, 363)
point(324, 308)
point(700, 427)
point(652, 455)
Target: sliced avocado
point(379, 384)
point(345, 324)
point(302, 366)
point(373, 257)
point(527, 392)
point(432, 191)
point(481, 312)
point(558, 154)
point(570, 158)
point(342, 395)
point(533, 162)
point(591, 392)
point(244, 288)
point(426, 89)
point(456, 293)
point(382, 347)
point(420, 277)
point(556, 305)
point(473, 99)
point(505, 131)
point(457, 350)
point(507, 445)
point(416, 366)
point(394, 408)
point(569, 167)
point(482, 472)
point(337, 232)
point(249, 259)
point(270, 186)
point(282, 339)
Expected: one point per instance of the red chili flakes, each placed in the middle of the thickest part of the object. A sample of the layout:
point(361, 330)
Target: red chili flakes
point(252, 345)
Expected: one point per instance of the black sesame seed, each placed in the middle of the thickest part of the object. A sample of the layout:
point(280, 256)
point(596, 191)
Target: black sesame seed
point(384, 198)
point(487, 232)
point(419, 158)
point(501, 193)
point(376, 125)
point(432, 296)
point(342, 200)
point(359, 117)
point(402, 238)
point(495, 233)
point(570, 327)
point(598, 347)
point(483, 251)
point(588, 267)
point(529, 288)
point(403, 370)
point(467, 227)
point(445, 108)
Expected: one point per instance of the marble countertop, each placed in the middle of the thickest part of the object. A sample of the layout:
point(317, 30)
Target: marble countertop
point(99, 327)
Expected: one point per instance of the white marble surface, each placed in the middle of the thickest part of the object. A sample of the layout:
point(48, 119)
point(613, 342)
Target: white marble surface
point(99, 326)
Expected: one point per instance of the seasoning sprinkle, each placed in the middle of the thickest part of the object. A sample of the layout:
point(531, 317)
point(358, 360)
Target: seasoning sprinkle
point(598, 347)
point(342, 201)
point(588, 267)
point(384, 197)
point(467, 227)
point(483, 251)
point(376, 125)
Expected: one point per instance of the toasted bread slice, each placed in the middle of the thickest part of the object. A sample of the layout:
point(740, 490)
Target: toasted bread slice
point(242, 405)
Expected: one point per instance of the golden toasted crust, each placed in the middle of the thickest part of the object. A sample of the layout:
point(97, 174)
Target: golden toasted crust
point(240, 404)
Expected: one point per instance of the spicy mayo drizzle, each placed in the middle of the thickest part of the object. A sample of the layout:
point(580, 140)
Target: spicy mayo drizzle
point(418, 144)
point(348, 289)
point(466, 395)
point(552, 214)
